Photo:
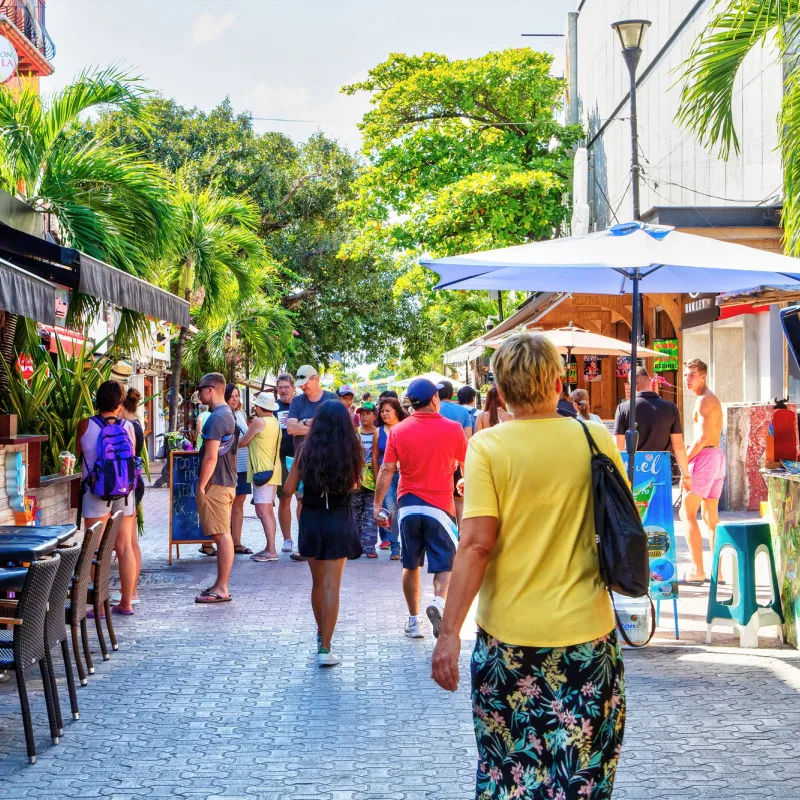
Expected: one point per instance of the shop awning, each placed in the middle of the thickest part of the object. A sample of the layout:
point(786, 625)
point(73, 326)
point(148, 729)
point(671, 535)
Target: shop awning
point(760, 295)
point(26, 294)
point(115, 286)
point(76, 270)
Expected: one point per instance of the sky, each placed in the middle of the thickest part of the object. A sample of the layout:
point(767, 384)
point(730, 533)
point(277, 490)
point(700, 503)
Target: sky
point(284, 59)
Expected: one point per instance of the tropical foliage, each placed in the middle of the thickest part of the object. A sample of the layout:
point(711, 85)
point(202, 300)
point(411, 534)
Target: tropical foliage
point(737, 28)
point(219, 264)
point(60, 393)
point(342, 307)
point(107, 200)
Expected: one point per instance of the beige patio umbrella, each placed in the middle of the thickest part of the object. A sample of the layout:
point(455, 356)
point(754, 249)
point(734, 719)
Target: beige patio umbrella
point(434, 377)
point(573, 341)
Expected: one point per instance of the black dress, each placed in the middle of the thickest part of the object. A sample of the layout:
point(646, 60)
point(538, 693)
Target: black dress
point(326, 528)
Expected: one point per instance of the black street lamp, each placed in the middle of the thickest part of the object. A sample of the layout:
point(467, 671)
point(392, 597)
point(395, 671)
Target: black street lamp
point(631, 35)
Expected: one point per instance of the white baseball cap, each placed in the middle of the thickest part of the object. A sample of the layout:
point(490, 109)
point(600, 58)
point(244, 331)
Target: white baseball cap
point(304, 374)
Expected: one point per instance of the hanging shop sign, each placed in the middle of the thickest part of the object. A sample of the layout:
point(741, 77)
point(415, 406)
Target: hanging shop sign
point(570, 376)
point(9, 60)
point(668, 360)
point(592, 368)
point(623, 366)
point(25, 366)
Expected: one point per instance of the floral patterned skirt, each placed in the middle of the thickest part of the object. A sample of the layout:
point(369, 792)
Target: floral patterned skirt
point(548, 721)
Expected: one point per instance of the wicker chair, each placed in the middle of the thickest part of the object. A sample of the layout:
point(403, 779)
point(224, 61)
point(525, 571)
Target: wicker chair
point(76, 605)
point(98, 594)
point(28, 643)
point(56, 629)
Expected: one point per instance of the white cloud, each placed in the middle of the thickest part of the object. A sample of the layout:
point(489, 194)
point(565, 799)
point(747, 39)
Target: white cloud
point(266, 100)
point(206, 28)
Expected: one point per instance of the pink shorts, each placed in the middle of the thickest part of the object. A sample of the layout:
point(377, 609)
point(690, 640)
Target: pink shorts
point(707, 469)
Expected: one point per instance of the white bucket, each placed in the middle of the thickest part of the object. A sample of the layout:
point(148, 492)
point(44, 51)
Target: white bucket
point(634, 616)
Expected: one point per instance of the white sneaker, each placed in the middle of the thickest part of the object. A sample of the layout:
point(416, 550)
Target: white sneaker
point(327, 659)
point(413, 629)
point(287, 546)
point(434, 611)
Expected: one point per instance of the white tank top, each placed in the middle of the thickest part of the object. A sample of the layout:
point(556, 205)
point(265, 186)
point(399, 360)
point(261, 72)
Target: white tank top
point(89, 443)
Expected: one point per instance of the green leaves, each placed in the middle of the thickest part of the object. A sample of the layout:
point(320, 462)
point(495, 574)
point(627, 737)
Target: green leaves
point(462, 156)
point(709, 79)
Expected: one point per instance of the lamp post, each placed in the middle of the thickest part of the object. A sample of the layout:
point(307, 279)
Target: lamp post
point(631, 35)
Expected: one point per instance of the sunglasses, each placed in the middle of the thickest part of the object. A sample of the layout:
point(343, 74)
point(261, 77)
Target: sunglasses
point(205, 386)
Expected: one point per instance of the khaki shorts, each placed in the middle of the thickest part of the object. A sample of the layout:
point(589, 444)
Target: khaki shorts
point(214, 508)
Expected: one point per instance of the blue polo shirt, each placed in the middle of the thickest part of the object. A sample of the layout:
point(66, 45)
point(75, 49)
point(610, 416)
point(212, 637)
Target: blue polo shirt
point(456, 413)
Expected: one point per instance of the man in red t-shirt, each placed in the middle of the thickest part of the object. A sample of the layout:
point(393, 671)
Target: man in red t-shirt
point(428, 448)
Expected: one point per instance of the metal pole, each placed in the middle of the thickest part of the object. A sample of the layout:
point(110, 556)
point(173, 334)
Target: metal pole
point(632, 435)
point(632, 56)
point(500, 304)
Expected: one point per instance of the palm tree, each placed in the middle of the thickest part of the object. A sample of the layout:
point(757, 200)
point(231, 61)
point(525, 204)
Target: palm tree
point(710, 72)
point(106, 199)
point(252, 330)
point(216, 256)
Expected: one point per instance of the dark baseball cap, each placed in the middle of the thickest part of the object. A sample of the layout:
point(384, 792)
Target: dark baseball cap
point(421, 390)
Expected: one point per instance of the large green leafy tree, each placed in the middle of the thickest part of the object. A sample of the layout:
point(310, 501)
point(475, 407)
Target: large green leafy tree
point(738, 27)
point(107, 199)
point(464, 154)
point(342, 304)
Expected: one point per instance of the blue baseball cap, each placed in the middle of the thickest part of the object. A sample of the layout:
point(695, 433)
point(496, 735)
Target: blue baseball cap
point(421, 390)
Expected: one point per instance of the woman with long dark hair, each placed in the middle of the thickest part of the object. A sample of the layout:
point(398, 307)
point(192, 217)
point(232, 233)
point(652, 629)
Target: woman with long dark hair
point(494, 411)
point(329, 465)
point(391, 413)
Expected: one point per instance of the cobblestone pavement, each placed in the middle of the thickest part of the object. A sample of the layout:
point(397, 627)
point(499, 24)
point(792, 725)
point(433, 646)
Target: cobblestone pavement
point(226, 702)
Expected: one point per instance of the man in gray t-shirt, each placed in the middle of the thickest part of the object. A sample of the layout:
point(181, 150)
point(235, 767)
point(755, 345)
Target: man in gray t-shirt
point(216, 482)
point(303, 407)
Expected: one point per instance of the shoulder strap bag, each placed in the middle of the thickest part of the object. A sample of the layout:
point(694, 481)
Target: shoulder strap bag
point(621, 538)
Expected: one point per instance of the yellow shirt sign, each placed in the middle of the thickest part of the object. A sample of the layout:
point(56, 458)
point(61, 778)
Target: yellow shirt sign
point(542, 587)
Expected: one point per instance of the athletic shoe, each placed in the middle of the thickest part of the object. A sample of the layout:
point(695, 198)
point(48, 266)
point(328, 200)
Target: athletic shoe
point(287, 546)
point(413, 629)
point(434, 611)
point(385, 544)
point(327, 659)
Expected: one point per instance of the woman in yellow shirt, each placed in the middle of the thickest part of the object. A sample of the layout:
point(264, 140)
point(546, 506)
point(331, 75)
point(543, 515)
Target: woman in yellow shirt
point(548, 691)
point(263, 442)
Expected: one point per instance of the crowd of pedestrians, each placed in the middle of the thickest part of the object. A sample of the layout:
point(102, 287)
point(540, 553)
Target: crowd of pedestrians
point(443, 486)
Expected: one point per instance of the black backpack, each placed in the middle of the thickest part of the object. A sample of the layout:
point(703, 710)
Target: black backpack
point(621, 539)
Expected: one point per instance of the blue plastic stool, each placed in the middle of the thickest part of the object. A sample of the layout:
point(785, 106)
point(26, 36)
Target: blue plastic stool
point(742, 611)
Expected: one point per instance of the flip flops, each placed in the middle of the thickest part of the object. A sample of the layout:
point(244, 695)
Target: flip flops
point(690, 581)
point(242, 550)
point(206, 553)
point(207, 597)
point(263, 558)
point(118, 610)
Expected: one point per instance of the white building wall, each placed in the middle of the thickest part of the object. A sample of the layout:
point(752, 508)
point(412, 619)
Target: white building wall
point(677, 170)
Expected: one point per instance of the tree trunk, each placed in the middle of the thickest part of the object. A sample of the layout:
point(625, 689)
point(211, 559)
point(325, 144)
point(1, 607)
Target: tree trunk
point(177, 360)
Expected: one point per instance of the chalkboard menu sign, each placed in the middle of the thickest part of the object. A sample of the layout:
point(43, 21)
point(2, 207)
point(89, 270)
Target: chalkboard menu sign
point(184, 521)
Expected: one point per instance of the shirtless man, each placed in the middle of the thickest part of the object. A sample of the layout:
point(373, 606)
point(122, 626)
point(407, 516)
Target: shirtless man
point(706, 467)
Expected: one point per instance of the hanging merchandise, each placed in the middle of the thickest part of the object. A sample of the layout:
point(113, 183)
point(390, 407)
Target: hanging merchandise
point(592, 368)
point(668, 360)
point(623, 366)
point(571, 374)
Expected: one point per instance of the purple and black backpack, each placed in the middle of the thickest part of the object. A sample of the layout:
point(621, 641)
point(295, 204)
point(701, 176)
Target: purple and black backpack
point(117, 469)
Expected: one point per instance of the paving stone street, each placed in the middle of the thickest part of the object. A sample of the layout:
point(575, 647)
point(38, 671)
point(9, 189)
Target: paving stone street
point(227, 703)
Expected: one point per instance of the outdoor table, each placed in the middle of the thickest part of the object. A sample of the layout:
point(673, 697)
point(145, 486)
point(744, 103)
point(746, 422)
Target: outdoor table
point(20, 543)
point(12, 579)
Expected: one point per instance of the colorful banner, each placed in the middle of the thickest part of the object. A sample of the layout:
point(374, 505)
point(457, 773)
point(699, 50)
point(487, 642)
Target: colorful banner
point(623, 366)
point(652, 491)
point(668, 360)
